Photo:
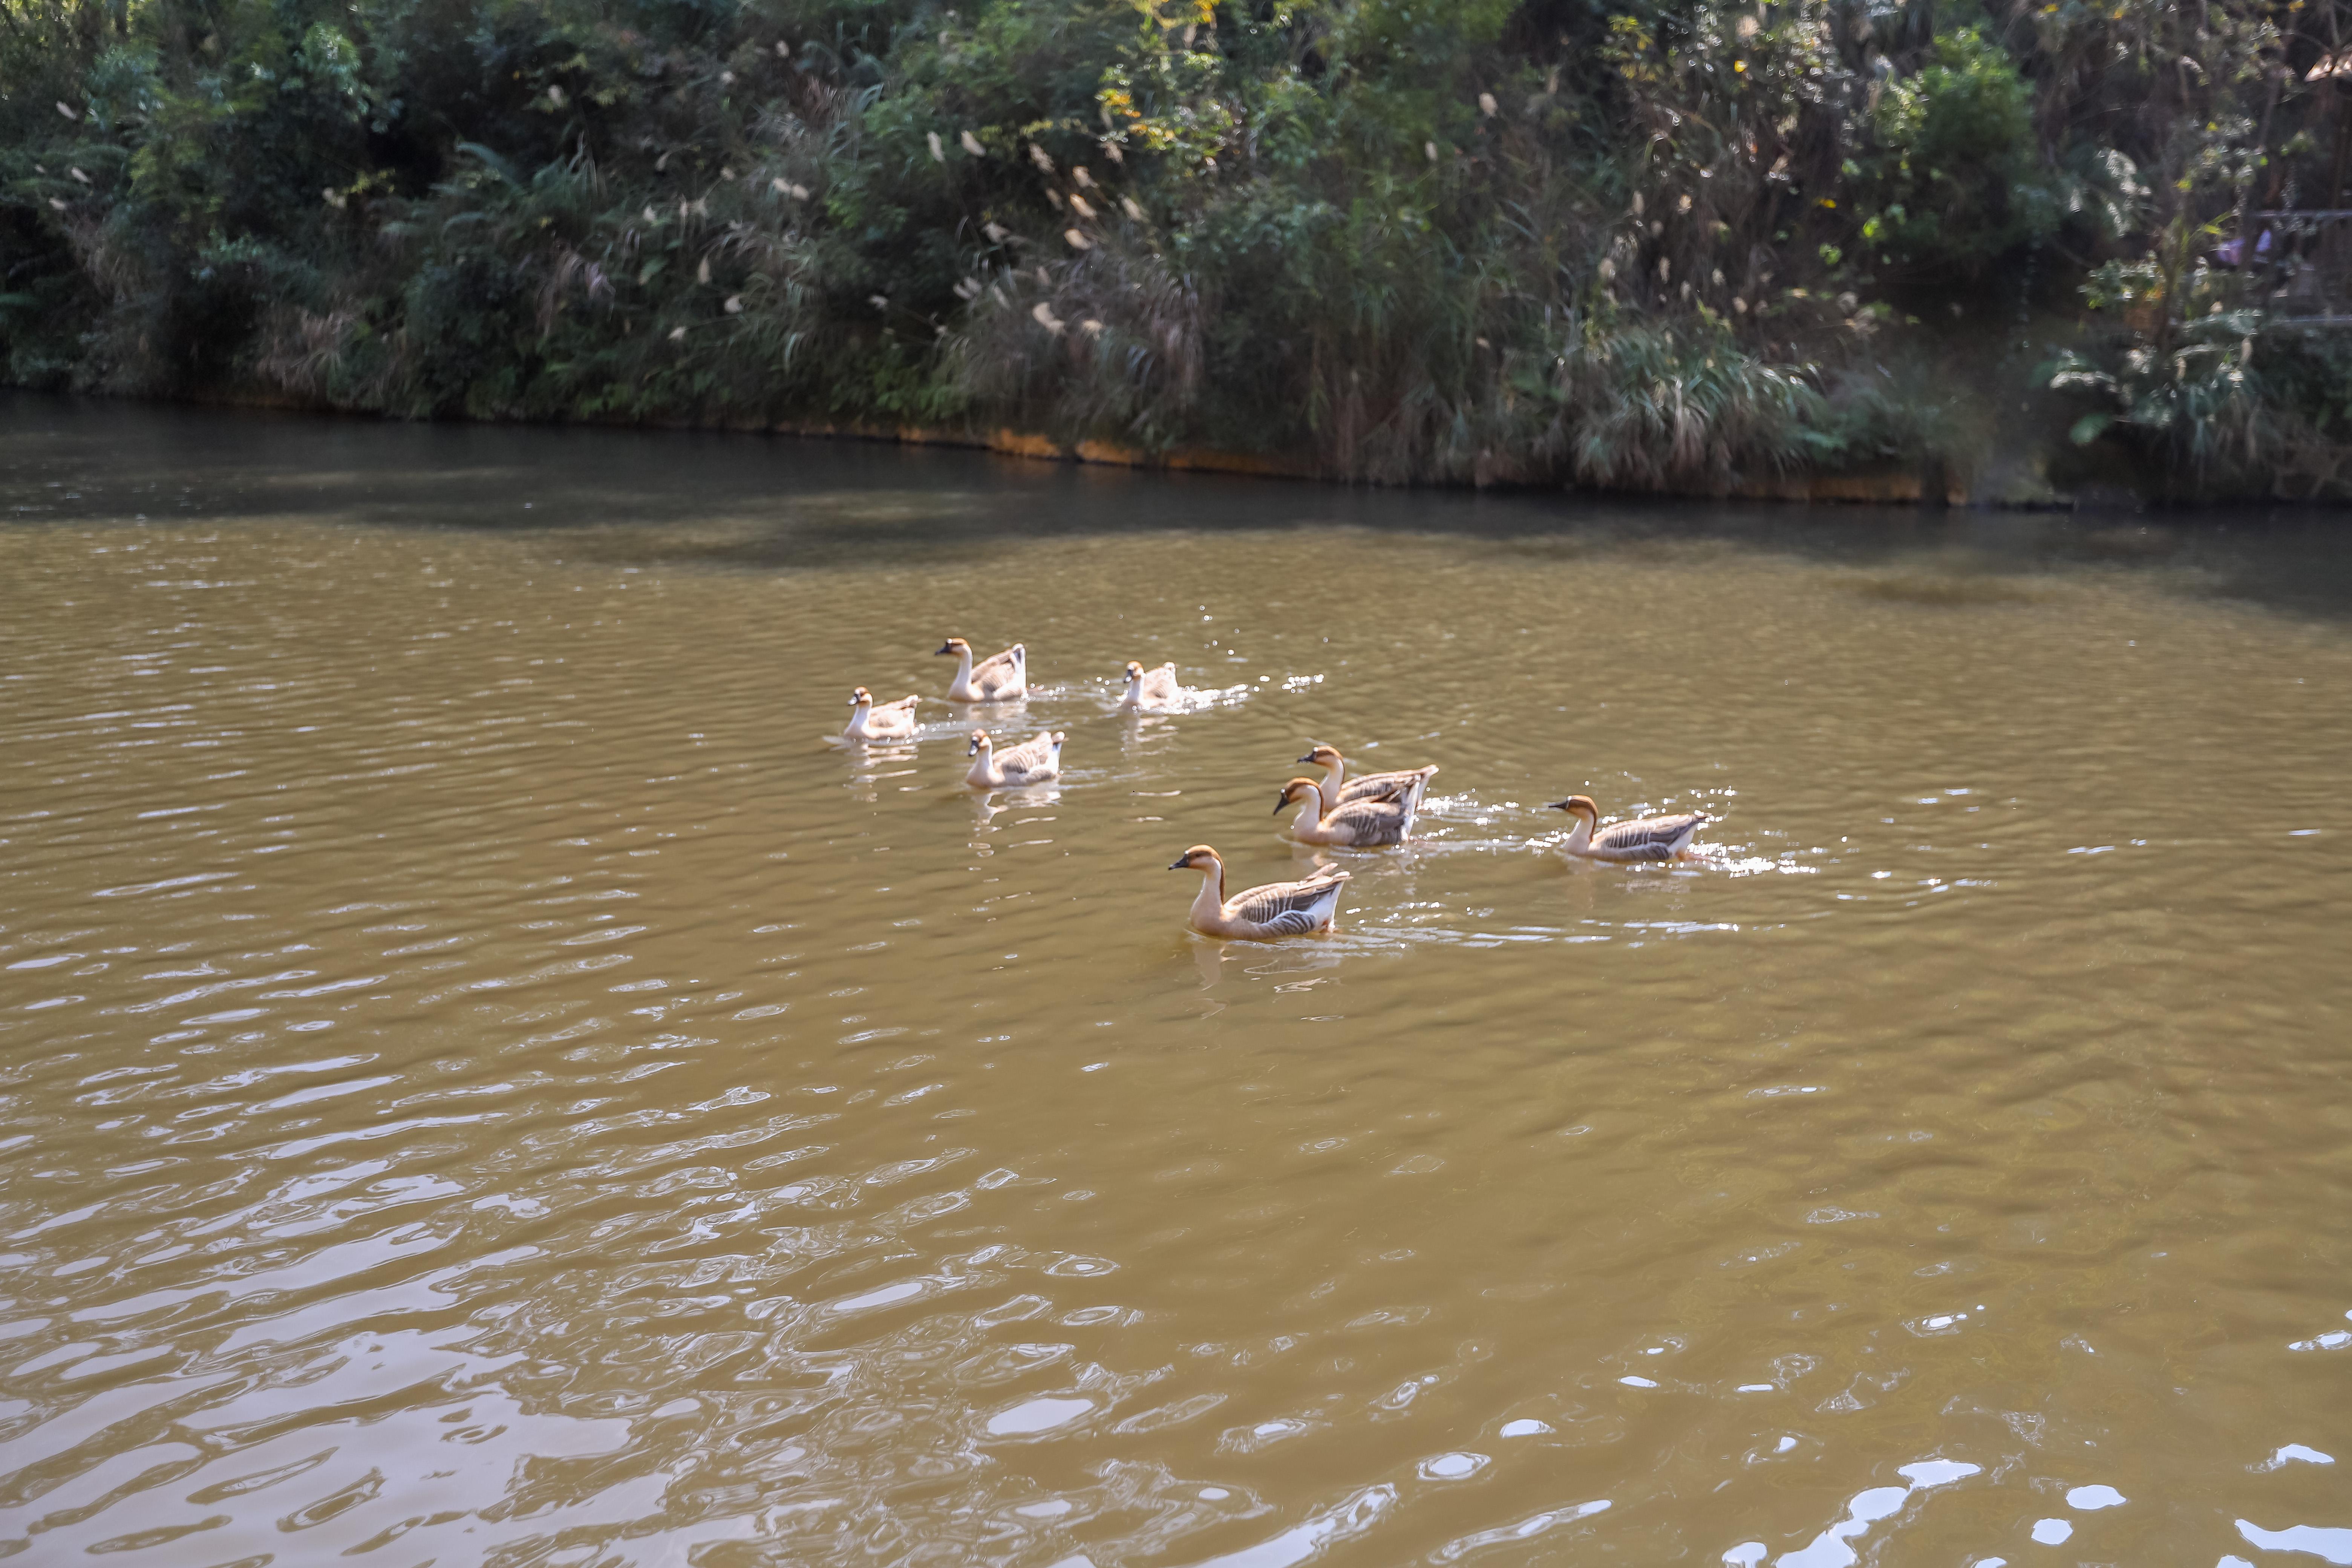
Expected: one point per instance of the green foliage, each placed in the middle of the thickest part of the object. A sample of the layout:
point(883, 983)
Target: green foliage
point(1656, 242)
point(2203, 402)
point(1954, 177)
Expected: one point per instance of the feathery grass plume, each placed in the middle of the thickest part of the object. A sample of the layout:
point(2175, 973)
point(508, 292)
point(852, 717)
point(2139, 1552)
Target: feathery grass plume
point(1651, 407)
point(1135, 371)
point(971, 144)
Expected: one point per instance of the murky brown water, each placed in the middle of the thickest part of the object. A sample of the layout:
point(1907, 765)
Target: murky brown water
point(485, 1083)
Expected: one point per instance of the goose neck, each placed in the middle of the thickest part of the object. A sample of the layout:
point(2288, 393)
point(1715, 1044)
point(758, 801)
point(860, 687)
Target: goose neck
point(1310, 813)
point(1208, 903)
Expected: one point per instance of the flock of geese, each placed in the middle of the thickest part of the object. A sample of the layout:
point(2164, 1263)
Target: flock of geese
point(1370, 811)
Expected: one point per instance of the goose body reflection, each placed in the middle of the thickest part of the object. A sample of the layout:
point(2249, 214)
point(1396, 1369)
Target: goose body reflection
point(872, 720)
point(1153, 690)
point(1339, 788)
point(1262, 913)
point(1032, 762)
point(1648, 838)
point(999, 677)
point(1352, 824)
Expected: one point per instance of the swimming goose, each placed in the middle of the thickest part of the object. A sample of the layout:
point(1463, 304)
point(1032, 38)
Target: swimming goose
point(1153, 690)
point(1030, 762)
point(1354, 824)
point(1651, 838)
point(999, 678)
point(879, 721)
point(1278, 909)
point(1365, 786)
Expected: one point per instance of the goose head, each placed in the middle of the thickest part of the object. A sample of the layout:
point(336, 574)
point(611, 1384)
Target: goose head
point(1295, 791)
point(1134, 670)
point(1321, 756)
point(861, 698)
point(1576, 805)
point(954, 646)
point(1200, 858)
point(979, 743)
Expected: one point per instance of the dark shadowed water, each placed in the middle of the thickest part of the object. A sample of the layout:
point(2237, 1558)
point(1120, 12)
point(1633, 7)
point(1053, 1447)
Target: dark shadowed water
point(483, 1081)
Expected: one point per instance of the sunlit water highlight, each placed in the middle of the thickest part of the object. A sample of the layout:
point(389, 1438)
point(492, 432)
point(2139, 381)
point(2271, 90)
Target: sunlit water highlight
point(486, 1080)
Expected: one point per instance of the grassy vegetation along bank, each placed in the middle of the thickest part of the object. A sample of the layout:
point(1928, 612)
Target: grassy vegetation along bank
point(1645, 243)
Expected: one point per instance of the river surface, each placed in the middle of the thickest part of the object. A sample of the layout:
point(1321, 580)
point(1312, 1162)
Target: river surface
point(482, 1081)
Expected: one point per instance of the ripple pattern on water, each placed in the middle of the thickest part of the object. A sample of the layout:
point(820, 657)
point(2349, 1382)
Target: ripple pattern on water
point(482, 1077)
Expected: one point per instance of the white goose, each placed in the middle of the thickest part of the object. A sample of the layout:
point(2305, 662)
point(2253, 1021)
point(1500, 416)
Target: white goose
point(1354, 824)
point(1030, 762)
point(1650, 838)
point(1364, 786)
point(879, 721)
point(1260, 914)
point(999, 678)
point(1153, 690)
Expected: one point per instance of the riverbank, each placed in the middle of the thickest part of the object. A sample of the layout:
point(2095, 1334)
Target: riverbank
point(2016, 487)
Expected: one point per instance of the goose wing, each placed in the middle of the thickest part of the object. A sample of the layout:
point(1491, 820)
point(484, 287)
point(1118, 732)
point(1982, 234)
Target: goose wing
point(1384, 786)
point(1028, 757)
point(1161, 684)
point(1657, 837)
point(1010, 655)
point(1375, 786)
point(1373, 821)
point(1288, 909)
point(905, 705)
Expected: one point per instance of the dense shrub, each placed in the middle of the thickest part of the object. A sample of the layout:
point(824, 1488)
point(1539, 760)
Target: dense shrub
point(1676, 243)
